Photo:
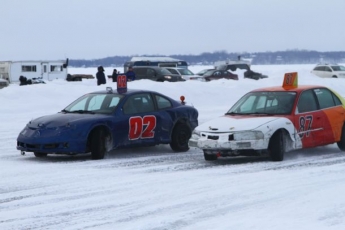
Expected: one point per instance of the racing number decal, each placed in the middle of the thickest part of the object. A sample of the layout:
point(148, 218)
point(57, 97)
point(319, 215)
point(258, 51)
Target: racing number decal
point(122, 81)
point(305, 125)
point(142, 127)
point(288, 79)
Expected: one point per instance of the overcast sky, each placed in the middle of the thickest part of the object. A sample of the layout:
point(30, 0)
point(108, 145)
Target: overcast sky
point(91, 29)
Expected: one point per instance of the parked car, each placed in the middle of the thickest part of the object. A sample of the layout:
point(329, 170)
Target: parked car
point(155, 73)
point(235, 66)
point(254, 75)
point(78, 77)
point(219, 74)
point(102, 121)
point(329, 71)
point(185, 73)
point(272, 121)
point(3, 83)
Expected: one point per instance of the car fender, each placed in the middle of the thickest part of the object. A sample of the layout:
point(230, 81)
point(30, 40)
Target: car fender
point(282, 123)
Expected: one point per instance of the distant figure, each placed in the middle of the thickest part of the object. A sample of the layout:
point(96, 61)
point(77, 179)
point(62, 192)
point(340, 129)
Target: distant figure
point(130, 74)
point(114, 75)
point(100, 76)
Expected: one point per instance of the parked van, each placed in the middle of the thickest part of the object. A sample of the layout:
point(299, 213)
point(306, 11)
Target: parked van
point(155, 61)
point(155, 73)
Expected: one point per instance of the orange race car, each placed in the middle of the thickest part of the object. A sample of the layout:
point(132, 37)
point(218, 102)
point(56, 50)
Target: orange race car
point(273, 121)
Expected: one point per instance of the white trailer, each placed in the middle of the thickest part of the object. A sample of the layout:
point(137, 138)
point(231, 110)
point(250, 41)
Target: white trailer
point(47, 70)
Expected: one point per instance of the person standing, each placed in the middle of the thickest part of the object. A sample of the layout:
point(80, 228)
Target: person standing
point(100, 76)
point(130, 74)
point(114, 75)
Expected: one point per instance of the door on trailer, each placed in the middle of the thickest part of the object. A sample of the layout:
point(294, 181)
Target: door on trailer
point(44, 70)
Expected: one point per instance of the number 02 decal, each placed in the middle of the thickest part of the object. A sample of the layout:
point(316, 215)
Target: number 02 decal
point(142, 127)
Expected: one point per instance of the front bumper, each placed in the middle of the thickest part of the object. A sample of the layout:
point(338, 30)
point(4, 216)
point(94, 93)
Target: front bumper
point(51, 142)
point(222, 141)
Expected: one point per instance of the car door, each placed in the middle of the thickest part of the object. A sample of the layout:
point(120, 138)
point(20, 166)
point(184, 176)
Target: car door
point(309, 120)
point(327, 72)
point(151, 74)
point(217, 75)
point(332, 107)
point(141, 122)
point(139, 73)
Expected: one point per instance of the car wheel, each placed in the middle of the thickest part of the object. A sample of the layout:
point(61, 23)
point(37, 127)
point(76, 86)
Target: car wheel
point(179, 138)
point(38, 154)
point(98, 144)
point(341, 143)
point(334, 76)
point(210, 157)
point(276, 146)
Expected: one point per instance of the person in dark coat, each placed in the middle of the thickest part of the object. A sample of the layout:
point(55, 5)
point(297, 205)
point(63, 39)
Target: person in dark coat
point(114, 75)
point(130, 74)
point(100, 76)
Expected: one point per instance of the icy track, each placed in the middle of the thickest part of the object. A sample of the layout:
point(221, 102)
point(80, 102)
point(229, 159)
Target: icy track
point(153, 188)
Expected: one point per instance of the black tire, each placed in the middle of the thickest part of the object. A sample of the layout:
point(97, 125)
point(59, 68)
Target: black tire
point(276, 147)
point(180, 137)
point(210, 157)
point(341, 143)
point(334, 76)
point(97, 145)
point(38, 154)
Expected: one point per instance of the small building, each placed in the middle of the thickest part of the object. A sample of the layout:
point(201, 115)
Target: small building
point(47, 70)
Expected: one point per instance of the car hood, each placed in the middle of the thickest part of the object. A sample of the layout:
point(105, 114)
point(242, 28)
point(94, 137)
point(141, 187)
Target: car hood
point(62, 119)
point(234, 123)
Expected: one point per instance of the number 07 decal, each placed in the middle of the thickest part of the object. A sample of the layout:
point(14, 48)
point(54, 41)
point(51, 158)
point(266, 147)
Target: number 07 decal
point(142, 127)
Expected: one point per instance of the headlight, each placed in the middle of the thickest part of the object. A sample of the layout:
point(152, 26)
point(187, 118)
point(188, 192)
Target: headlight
point(167, 77)
point(196, 133)
point(248, 135)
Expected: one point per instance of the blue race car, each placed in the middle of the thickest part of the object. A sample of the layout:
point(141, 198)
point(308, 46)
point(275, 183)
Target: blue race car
point(102, 121)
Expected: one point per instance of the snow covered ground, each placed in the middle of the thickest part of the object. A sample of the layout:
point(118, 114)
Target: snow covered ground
point(154, 188)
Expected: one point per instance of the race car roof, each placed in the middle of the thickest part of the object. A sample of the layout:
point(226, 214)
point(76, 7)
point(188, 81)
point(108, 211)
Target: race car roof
point(128, 92)
point(296, 89)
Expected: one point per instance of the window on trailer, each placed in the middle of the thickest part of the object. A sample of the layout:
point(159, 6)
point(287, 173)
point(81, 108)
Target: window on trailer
point(28, 68)
point(55, 68)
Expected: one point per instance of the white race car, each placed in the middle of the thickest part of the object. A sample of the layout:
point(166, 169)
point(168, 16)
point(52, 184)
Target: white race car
point(274, 120)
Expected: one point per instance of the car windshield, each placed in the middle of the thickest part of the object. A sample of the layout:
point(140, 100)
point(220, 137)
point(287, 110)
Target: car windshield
point(338, 68)
point(202, 72)
point(208, 73)
point(165, 71)
point(94, 104)
point(185, 72)
point(264, 102)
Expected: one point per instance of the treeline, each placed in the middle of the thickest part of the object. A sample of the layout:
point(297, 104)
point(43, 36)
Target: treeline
point(259, 58)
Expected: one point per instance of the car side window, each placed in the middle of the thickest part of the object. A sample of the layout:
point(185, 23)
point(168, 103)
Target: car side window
point(150, 73)
point(139, 71)
point(217, 73)
point(326, 98)
point(138, 103)
point(328, 69)
point(307, 102)
point(162, 102)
